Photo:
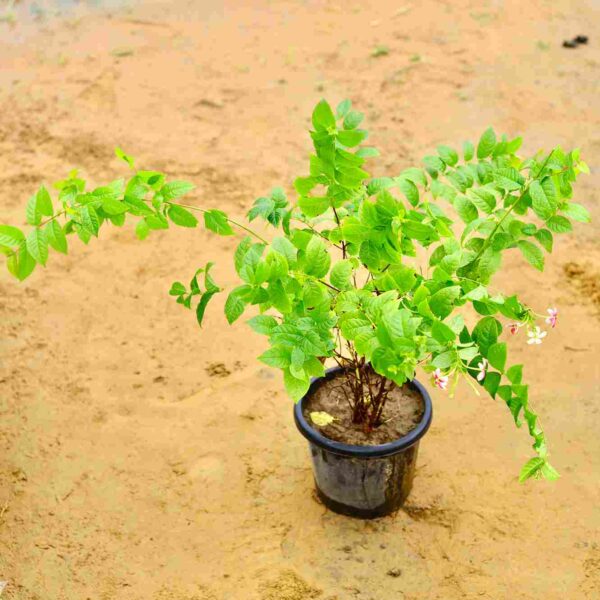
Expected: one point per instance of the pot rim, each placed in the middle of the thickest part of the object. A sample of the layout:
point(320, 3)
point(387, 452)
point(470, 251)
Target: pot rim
point(355, 450)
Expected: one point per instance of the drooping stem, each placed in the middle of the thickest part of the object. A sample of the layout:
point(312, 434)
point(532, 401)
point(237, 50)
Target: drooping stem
point(232, 221)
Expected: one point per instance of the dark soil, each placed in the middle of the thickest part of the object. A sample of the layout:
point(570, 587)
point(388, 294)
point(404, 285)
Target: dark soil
point(401, 414)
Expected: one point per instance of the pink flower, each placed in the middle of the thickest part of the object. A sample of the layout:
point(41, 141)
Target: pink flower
point(551, 320)
point(440, 380)
point(482, 366)
point(536, 335)
point(514, 327)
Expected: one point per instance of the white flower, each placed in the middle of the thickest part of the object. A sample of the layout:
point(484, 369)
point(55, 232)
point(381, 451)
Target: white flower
point(440, 380)
point(553, 317)
point(536, 335)
point(482, 368)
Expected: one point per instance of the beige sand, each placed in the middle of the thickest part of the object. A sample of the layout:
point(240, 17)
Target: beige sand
point(119, 478)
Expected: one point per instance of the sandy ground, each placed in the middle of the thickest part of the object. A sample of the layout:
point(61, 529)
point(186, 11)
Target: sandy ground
point(143, 459)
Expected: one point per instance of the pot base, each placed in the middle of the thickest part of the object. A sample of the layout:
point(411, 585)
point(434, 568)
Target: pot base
point(352, 511)
point(363, 488)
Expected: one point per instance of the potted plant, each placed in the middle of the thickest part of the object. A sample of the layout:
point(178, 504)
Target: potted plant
point(377, 276)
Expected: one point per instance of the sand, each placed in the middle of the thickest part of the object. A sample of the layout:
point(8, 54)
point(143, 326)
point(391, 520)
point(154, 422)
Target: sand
point(141, 458)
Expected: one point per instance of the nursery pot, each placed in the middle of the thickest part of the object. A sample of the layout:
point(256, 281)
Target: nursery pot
point(363, 481)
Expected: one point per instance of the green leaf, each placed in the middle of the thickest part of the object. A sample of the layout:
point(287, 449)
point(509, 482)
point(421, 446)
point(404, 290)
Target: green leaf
point(442, 333)
point(277, 356)
point(117, 220)
point(296, 388)
point(397, 277)
point(137, 207)
point(25, 263)
point(313, 206)
point(468, 151)
point(216, 220)
point(487, 143)
point(486, 333)
point(10, 236)
point(89, 219)
point(279, 297)
point(112, 206)
point(142, 230)
point(491, 383)
point(353, 119)
point(323, 117)
point(466, 209)
point(442, 302)
point(44, 202)
point(434, 165)
point(367, 152)
point(264, 324)
point(343, 108)
point(176, 189)
point(478, 293)
point(549, 472)
point(489, 263)
point(83, 234)
point(379, 184)
point(483, 199)
point(449, 156)
point(56, 236)
point(532, 468)
point(419, 231)
point(559, 224)
point(303, 185)
point(177, 289)
point(285, 248)
point(234, 305)
point(497, 356)
point(544, 237)
point(181, 216)
point(532, 254)
point(515, 374)
point(209, 283)
point(509, 179)
point(32, 214)
point(297, 364)
point(352, 137)
point(317, 259)
point(37, 245)
point(543, 198)
point(341, 273)
point(577, 212)
point(409, 189)
point(444, 360)
point(128, 159)
point(203, 303)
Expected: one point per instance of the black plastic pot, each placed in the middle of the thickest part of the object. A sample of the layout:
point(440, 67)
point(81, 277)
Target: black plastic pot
point(363, 481)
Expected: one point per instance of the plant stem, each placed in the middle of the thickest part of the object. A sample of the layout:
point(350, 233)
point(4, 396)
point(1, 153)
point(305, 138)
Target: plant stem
point(491, 236)
point(232, 221)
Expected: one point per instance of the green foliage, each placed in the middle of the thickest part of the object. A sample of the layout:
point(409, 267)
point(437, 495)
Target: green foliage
point(187, 296)
point(340, 279)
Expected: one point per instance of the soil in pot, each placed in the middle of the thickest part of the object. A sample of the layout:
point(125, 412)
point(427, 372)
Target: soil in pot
point(403, 411)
